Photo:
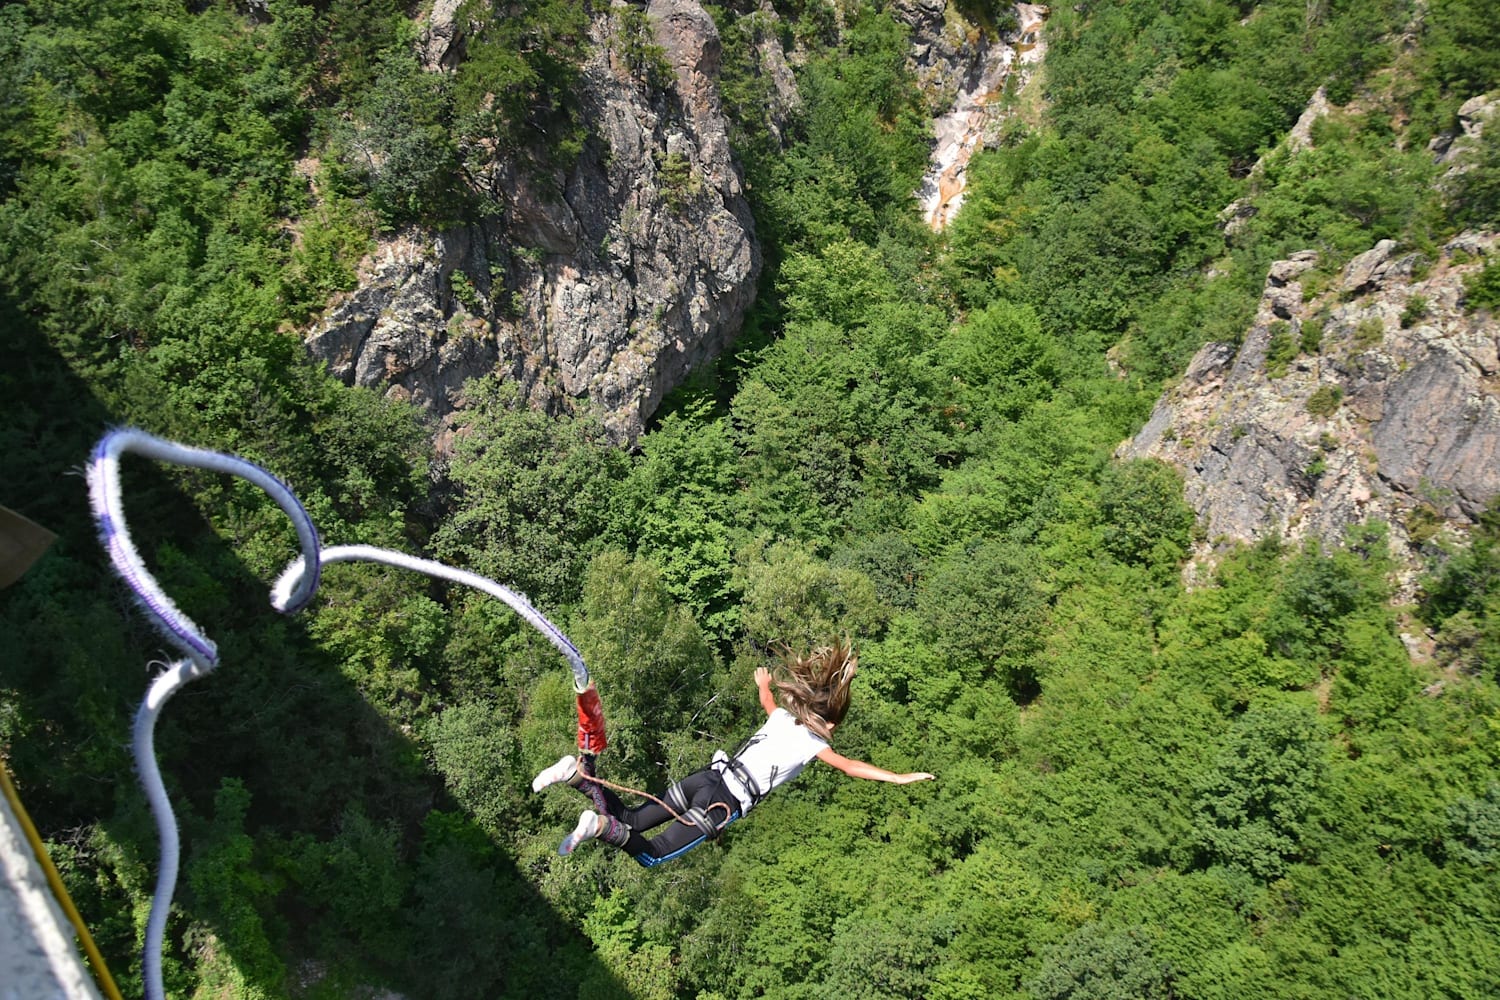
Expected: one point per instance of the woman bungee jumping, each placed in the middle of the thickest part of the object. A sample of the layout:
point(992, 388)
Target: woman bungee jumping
point(814, 697)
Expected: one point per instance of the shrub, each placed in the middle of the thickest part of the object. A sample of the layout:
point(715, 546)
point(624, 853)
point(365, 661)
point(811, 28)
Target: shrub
point(1254, 804)
point(1474, 828)
point(1324, 402)
point(464, 291)
point(1416, 309)
point(638, 48)
point(1311, 339)
point(1482, 290)
point(1146, 521)
point(679, 184)
point(1423, 522)
point(1280, 350)
point(1370, 332)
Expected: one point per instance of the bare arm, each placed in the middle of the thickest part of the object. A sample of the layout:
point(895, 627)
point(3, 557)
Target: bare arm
point(763, 688)
point(859, 769)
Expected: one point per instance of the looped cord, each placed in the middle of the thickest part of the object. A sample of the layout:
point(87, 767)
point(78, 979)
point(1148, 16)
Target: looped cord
point(202, 655)
point(114, 533)
point(292, 592)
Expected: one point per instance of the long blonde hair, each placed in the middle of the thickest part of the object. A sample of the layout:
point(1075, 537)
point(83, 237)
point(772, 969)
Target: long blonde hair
point(815, 687)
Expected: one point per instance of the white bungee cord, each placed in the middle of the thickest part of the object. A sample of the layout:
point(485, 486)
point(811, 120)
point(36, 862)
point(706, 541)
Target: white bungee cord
point(200, 652)
point(292, 592)
point(294, 578)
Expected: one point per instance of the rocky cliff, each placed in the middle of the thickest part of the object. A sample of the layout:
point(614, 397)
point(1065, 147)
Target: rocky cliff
point(609, 280)
point(1373, 394)
point(1367, 392)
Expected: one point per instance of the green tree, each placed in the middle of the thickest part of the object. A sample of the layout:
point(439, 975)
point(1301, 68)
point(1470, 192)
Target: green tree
point(1023, 479)
point(458, 898)
point(536, 494)
point(474, 748)
point(383, 635)
point(356, 882)
point(1002, 361)
point(863, 141)
point(983, 606)
point(1461, 596)
point(1323, 593)
point(1097, 964)
point(400, 142)
point(514, 86)
point(678, 506)
point(1256, 806)
point(1462, 43)
point(794, 598)
point(837, 285)
point(659, 676)
point(1474, 822)
point(885, 953)
point(1146, 521)
point(644, 969)
point(839, 424)
point(229, 893)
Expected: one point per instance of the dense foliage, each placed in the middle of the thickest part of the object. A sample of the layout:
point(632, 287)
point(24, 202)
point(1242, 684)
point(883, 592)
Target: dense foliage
point(1249, 788)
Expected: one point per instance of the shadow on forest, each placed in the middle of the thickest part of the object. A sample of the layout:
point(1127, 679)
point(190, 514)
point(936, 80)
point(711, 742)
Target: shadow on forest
point(310, 825)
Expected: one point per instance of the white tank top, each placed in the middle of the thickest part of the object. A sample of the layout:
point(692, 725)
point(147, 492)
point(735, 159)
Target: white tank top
point(776, 754)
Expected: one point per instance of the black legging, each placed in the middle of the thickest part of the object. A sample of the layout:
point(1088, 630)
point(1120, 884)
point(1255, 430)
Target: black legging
point(704, 790)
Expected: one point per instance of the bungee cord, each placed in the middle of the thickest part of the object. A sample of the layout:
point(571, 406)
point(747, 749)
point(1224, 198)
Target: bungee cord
point(114, 534)
point(591, 736)
point(294, 577)
point(292, 591)
point(589, 742)
point(201, 654)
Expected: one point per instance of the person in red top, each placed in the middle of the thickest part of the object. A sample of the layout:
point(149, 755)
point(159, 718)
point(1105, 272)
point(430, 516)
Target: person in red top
point(814, 697)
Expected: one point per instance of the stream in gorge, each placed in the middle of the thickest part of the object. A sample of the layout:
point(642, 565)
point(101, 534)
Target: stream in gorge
point(976, 114)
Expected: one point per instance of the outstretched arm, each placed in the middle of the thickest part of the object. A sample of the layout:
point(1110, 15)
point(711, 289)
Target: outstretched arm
point(859, 769)
point(763, 687)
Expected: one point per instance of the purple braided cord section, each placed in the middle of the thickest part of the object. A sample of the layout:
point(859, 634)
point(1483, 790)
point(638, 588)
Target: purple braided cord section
point(114, 533)
point(591, 788)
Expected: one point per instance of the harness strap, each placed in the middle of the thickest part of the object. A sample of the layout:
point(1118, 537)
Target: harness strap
point(703, 820)
point(733, 767)
point(677, 799)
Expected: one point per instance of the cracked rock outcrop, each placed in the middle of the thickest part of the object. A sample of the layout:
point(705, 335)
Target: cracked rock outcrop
point(608, 281)
point(964, 71)
point(1369, 394)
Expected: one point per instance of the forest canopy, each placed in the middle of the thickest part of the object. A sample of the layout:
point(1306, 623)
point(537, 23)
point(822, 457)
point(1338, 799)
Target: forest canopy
point(1244, 788)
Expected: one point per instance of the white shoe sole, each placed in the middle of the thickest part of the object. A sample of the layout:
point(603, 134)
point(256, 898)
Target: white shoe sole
point(587, 829)
point(563, 770)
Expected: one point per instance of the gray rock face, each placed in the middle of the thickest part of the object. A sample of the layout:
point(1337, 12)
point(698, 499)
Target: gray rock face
point(938, 55)
point(609, 282)
point(1393, 413)
point(441, 36)
point(950, 56)
point(1472, 115)
point(785, 99)
point(1300, 136)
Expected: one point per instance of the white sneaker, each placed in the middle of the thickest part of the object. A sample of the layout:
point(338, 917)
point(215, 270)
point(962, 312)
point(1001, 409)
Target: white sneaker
point(587, 829)
point(564, 770)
